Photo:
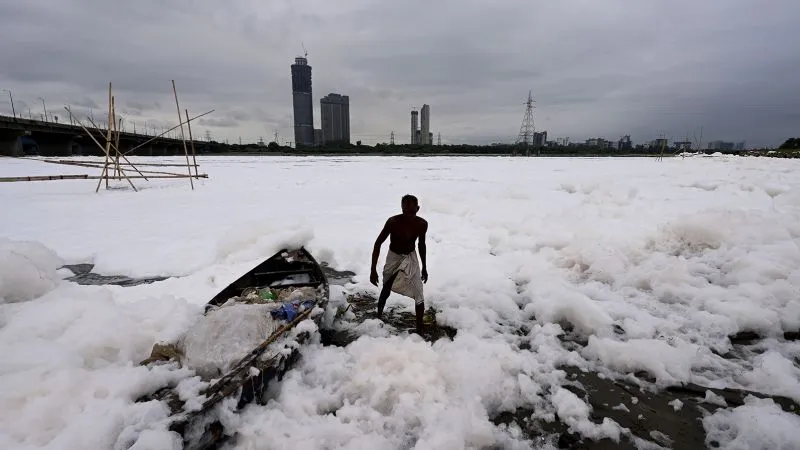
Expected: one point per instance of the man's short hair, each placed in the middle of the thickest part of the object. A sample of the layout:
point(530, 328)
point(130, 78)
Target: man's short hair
point(410, 198)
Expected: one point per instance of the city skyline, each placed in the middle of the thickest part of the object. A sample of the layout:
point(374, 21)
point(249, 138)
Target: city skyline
point(609, 74)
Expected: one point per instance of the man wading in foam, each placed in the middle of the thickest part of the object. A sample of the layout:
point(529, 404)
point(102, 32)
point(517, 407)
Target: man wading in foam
point(401, 274)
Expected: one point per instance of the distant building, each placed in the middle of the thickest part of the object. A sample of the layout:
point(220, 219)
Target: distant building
point(302, 103)
point(682, 145)
point(539, 139)
point(625, 143)
point(659, 143)
point(335, 115)
point(720, 145)
point(414, 129)
point(425, 125)
point(599, 143)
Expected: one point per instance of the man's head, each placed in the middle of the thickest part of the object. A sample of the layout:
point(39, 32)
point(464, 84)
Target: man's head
point(409, 204)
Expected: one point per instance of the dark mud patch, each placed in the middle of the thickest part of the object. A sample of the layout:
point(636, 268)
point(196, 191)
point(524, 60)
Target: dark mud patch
point(669, 418)
point(365, 306)
point(83, 275)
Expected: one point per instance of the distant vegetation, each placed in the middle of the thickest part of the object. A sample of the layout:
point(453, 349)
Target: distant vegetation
point(494, 149)
point(790, 144)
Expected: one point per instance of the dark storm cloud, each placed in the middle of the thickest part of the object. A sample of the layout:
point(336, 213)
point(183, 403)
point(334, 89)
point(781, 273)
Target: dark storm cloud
point(596, 68)
point(218, 123)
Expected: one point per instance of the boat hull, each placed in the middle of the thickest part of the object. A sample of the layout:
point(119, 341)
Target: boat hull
point(287, 271)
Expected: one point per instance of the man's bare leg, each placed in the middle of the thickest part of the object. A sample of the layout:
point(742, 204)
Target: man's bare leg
point(420, 309)
point(384, 295)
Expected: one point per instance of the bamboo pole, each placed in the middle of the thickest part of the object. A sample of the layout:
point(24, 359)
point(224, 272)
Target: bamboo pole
point(44, 178)
point(202, 175)
point(165, 132)
point(91, 177)
point(62, 161)
point(115, 134)
point(119, 154)
point(183, 137)
point(117, 123)
point(191, 141)
point(108, 142)
point(93, 165)
point(105, 168)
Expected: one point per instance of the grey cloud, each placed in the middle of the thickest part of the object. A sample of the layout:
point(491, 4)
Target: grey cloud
point(220, 123)
point(595, 68)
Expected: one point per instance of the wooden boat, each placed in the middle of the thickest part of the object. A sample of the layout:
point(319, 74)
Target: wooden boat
point(282, 275)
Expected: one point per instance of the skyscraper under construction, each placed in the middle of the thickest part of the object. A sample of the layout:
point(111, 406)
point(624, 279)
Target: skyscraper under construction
point(414, 129)
point(302, 103)
point(421, 136)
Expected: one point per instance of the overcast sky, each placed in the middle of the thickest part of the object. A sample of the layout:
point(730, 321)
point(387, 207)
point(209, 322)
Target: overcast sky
point(596, 68)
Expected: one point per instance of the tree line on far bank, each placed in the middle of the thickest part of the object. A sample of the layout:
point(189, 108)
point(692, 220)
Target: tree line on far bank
point(790, 148)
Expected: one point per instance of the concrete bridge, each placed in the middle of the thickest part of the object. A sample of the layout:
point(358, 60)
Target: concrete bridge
point(20, 137)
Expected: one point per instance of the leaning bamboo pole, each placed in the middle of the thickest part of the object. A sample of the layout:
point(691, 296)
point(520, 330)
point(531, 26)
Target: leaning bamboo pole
point(88, 133)
point(105, 166)
point(44, 178)
point(108, 142)
point(91, 177)
point(165, 132)
point(183, 137)
point(116, 149)
point(62, 161)
point(116, 134)
point(93, 165)
point(191, 141)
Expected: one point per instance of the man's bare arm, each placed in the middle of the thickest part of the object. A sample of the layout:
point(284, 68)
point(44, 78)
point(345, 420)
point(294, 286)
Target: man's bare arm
point(376, 249)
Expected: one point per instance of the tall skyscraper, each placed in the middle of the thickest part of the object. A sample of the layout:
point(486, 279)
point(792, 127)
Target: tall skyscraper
point(302, 103)
point(414, 129)
point(425, 118)
point(335, 116)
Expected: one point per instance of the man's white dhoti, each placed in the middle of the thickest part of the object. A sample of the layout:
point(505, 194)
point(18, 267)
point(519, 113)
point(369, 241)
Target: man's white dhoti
point(408, 277)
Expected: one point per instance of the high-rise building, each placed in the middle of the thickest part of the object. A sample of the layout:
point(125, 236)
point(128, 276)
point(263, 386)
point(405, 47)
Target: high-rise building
point(539, 139)
point(335, 116)
point(425, 125)
point(414, 129)
point(625, 143)
point(302, 103)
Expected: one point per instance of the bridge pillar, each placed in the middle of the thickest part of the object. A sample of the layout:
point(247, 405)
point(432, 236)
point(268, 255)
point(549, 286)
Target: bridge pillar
point(76, 146)
point(11, 143)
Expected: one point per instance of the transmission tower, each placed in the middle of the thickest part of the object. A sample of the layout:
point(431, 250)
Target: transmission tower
point(391, 138)
point(526, 130)
point(439, 140)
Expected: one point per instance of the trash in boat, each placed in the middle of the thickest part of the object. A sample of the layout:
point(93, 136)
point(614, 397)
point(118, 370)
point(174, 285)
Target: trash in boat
point(288, 311)
point(299, 278)
point(238, 347)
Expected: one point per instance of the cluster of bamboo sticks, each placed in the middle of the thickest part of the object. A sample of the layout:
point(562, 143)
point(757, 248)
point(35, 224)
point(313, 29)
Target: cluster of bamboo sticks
point(116, 162)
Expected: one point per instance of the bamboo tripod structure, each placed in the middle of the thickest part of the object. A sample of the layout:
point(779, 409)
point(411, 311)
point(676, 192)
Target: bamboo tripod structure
point(116, 164)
